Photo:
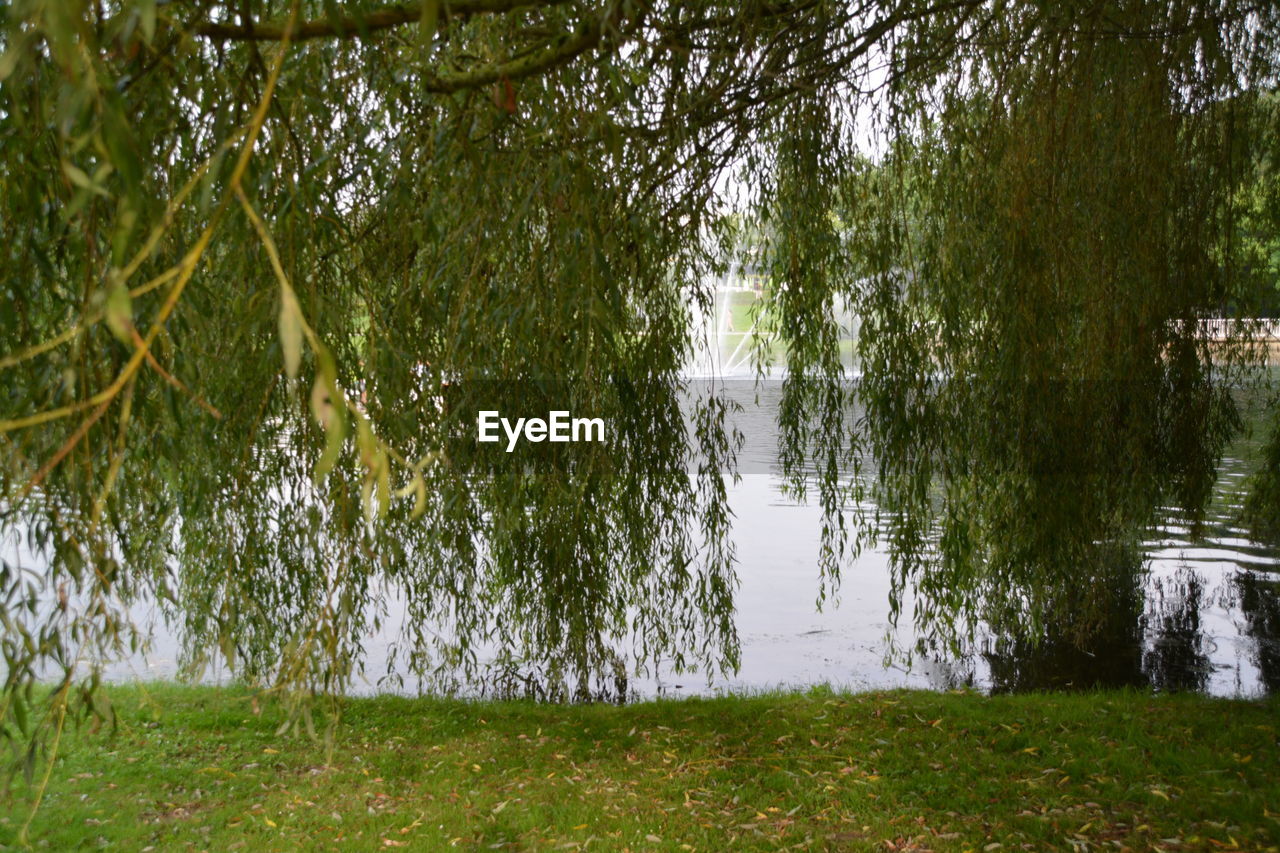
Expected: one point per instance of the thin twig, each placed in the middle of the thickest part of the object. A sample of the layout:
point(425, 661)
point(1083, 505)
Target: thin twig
point(48, 770)
point(66, 448)
point(173, 380)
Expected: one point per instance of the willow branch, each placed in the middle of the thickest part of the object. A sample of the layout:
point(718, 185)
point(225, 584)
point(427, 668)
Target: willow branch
point(153, 240)
point(563, 49)
point(66, 448)
point(350, 26)
point(171, 379)
point(567, 47)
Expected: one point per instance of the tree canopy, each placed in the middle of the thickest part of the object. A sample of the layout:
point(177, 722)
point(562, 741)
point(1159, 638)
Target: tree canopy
point(265, 260)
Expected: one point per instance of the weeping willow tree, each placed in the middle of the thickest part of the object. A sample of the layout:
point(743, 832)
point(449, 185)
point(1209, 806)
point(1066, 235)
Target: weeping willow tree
point(264, 262)
point(1039, 377)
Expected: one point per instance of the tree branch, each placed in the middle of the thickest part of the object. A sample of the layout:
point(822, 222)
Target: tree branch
point(566, 47)
point(350, 26)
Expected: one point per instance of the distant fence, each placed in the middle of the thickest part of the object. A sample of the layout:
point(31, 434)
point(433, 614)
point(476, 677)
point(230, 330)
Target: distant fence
point(1223, 328)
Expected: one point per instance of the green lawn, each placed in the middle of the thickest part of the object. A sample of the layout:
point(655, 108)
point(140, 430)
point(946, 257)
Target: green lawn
point(742, 309)
point(200, 768)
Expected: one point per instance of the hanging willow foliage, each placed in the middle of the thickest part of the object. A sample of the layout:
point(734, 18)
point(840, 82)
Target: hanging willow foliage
point(265, 261)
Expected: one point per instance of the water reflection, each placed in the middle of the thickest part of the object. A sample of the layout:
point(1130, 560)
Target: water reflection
point(1201, 613)
point(1259, 602)
point(1198, 612)
point(1111, 655)
point(1176, 657)
point(1205, 618)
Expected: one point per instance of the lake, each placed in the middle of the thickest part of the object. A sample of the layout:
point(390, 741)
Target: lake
point(1211, 621)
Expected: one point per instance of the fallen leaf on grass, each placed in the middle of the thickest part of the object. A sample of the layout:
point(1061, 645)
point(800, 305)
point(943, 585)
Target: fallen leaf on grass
point(230, 775)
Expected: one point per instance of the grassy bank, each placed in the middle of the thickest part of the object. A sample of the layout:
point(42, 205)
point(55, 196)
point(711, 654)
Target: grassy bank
point(198, 768)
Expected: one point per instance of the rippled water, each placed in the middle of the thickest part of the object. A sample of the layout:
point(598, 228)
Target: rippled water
point(1211, 618)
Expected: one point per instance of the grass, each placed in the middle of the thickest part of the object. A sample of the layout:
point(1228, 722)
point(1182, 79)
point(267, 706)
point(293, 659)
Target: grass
point(201, 768)
point(742, 306)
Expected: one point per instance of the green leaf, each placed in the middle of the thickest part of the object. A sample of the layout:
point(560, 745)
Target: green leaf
point(125, 221)
point(366, 497)
point(79, 178)
point(118, 309)
point(366, 443)
point(119, 140)
point(384, 483)
point(9, 59)
point(417, 487)
point(20, 714)
point(147, 18)
point(326, 405)
point(291, 332)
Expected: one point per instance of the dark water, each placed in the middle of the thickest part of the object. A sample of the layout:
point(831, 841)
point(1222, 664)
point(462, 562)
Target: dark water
point(1210, 607)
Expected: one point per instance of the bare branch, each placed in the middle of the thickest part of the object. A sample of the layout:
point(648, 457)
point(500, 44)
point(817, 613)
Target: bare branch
point(566, 47)
point(349, 26)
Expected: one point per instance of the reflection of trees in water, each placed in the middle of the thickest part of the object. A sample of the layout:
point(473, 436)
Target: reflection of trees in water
point(1113, 660)
point(1260, 602)
point(1154, 640)
point(1145, 631)
point(1177, 658)
point(1108, 654)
